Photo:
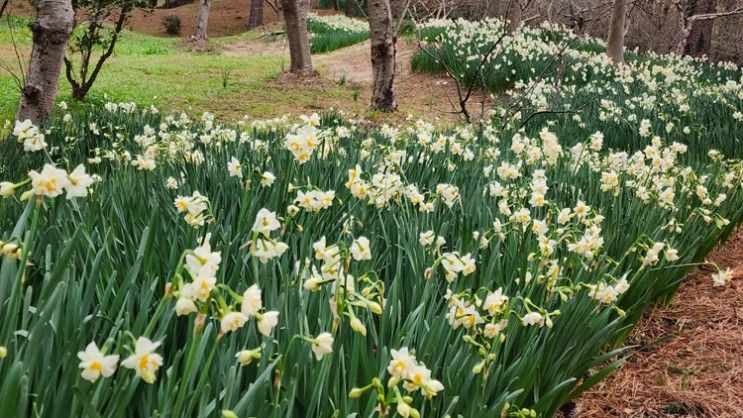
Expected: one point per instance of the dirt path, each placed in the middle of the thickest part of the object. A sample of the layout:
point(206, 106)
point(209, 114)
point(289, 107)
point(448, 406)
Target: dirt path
point(417, 94)
point(353, 62)
point(690, 363)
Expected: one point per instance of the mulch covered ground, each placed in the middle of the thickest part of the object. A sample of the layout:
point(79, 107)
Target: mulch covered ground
point(226, 17)
point(690, 359)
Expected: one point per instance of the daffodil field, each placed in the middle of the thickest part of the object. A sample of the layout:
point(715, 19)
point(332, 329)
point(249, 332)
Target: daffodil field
point(335, 31)
point(175, 266)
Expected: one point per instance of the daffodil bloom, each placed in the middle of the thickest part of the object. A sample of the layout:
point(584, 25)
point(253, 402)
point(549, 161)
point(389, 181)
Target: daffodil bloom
point(202, 261)
point(232, 321)
point(533, 318)
point(265, 222)
point(144, 361)
point(267, 179)
point(30, 135)
point(251, 301)
point(322, 345)
point(50, 182)
point(235, 168)
point(360, 249)
point(266, 249)
point(185, 306)
point(95, 364)
point(722, 277)
point(79, 182)
point(495, 302)
point(267, 322)
point(203, 286)
point(401, 364)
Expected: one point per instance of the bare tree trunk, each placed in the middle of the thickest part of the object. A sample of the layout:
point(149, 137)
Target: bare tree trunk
point(51, 31)
point(699, 40)
point(336, 6)
point(278, 8)
point(256, 14)
point(615, 43)
point(349, 7)
point(382, 55)
point(2, 8)
point(203, 22)
point(295, 15)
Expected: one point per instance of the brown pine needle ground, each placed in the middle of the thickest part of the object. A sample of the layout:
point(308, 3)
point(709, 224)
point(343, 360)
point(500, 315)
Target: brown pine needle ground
point(690, 363)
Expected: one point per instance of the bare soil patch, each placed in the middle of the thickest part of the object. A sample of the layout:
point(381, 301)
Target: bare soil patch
point(417, 94)
point(226, 18)
point(690, 360)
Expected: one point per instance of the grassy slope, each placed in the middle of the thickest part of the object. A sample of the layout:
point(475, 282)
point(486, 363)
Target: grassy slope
point(157, 71)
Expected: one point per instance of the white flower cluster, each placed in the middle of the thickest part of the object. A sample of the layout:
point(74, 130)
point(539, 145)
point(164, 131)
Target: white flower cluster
point(340, 23)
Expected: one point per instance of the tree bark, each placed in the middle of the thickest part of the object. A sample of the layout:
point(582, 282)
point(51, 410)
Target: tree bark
point(615, 42)
point(51, 31)
point(2, 8)
point(295, 15)
point(203, 22)
point(349, 7)
point(336, 6)
point(699, 41)
point(256, 14)
point(382, 55)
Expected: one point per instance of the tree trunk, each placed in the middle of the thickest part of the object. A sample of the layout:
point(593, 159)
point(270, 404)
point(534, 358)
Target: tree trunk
point(256, 14)
point(349, 7)
point(51, 31)
point(615, 42)
point(203, 22)
point(382, 55)
point(295, 15)
point(699, 40)
point(336, 6)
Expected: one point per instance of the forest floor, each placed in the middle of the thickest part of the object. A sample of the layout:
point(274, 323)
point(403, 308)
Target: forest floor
point(689, 356)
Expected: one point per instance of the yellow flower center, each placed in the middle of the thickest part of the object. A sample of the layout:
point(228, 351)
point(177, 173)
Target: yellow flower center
point(144, 361)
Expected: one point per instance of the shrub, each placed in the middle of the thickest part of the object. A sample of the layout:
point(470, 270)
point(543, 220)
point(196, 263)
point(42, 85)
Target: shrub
point(172, 25)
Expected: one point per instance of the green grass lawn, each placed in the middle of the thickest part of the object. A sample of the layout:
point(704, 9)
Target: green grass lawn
point(158, 71)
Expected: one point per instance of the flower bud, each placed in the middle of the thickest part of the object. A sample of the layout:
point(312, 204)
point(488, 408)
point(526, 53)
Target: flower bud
point(403, 409)
point(9, 248)
point(478, 367)
point(428, 273)
point(3, 352)
point(375, 307)
point(7, 189)
point(245, 357)
point(357, 392)
point(312, 284)
point(358, 326)
point(226, 413)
